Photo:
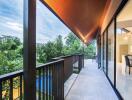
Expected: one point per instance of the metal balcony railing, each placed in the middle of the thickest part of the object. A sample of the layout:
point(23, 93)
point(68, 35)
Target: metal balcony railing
point(50, 78)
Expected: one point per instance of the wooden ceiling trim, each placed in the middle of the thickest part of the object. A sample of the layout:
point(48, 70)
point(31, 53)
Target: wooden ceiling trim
point(82, 17)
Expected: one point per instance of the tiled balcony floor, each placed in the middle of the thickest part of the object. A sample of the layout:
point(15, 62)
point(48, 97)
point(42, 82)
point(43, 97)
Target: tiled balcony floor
point(91, 84)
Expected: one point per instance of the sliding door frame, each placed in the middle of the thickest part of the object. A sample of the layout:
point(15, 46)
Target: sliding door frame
point(123, 3)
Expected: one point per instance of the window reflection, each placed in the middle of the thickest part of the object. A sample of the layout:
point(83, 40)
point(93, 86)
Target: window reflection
point(124, 48)
point(105, 52)
point(111, 52)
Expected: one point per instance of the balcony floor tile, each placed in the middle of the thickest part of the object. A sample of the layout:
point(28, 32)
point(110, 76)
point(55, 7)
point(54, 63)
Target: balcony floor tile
point(91, 84)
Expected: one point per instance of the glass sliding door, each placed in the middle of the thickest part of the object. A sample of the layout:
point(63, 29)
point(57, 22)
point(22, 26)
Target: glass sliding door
point(104, 58)
point(111, 52)
point(11, 48)
point(102, 50)
point(99, 51)
point(123, 50)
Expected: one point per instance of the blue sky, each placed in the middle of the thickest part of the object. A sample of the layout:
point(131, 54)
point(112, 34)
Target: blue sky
point(11, 21)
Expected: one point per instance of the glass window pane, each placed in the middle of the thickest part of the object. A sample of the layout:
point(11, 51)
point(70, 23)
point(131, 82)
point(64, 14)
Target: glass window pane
point(105, 52)
point(11, 45)
point(11, 35)
point(102, 41)
point(111, 52)
point(124, 48)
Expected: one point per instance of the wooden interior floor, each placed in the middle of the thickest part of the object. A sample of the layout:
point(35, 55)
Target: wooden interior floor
point(91, 84)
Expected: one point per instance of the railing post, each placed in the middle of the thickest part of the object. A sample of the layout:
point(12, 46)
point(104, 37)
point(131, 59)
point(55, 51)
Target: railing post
point(54, 84)
point(58, 81)
point(79, 63)
point(21, 87)
point(11, 89)
point(29, 50)
point(62, 77)
point(83, 60)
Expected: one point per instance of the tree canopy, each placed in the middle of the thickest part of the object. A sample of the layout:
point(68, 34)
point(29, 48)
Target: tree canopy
point(11, 51)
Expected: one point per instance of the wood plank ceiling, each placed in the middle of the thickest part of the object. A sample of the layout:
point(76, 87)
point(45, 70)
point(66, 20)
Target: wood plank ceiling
point(83, 17)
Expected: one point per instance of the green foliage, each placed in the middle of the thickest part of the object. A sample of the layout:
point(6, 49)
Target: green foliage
point(73, 45)
point(11, 51)
point(89, 51)
point(70, 39)
point(59, 45)
point(10, 54)
point(45, 52)
point(50, 50)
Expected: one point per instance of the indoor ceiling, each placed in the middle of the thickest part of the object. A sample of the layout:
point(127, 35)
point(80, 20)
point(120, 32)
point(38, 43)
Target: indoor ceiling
point(124, 19)
point(83, 17)
point(126, 13)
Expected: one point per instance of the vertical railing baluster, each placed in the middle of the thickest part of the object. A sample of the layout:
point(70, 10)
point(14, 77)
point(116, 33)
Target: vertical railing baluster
point(83, 60)
point(59, 80)
point(60, 92)
point(0, 90)
point(44, 83)
point(51, 83)
point(48, 82)
point(20, 87)
point(11, 89)
point(54, 82)
point(50, 74)
point(56, 68)
point(39, 84)
point(78, 63)
point(56, 89)
point(62, 80)
point(53, 94)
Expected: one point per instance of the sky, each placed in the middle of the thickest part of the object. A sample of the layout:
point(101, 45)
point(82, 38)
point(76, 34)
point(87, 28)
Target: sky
point(48, 26)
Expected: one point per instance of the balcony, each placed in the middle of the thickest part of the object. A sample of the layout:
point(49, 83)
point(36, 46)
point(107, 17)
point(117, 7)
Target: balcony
point(67, 77)
point(63, 78)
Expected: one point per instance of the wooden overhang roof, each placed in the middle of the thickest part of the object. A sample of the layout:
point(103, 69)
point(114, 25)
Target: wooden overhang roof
point(83, 17)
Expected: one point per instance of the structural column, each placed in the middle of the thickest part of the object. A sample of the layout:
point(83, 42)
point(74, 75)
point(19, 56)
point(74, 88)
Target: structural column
point(29, 50)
